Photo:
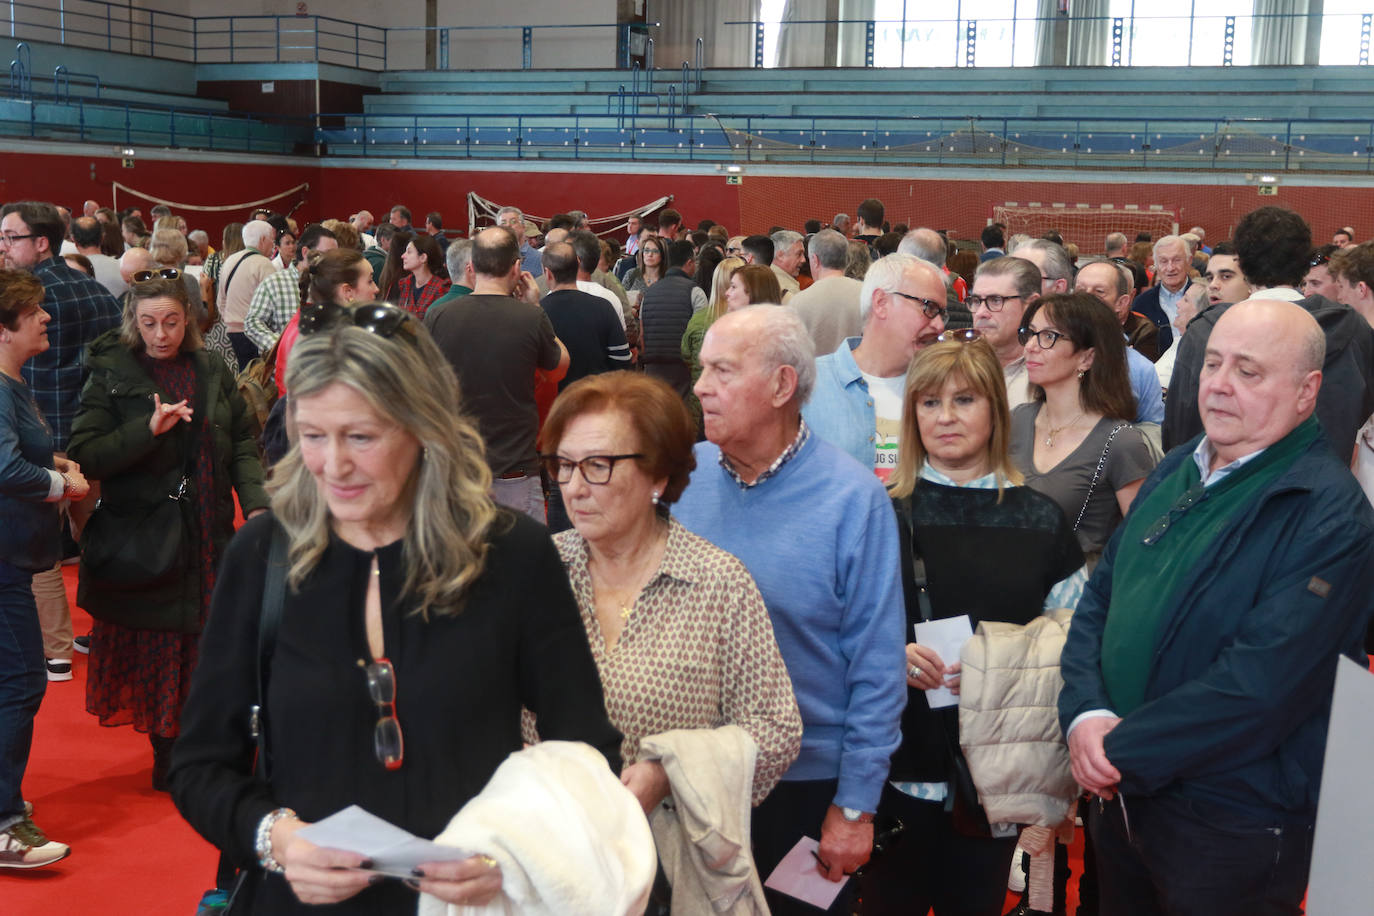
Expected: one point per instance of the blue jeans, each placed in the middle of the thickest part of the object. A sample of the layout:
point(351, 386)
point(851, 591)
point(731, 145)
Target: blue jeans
point(22, 683)
point(1172, 856)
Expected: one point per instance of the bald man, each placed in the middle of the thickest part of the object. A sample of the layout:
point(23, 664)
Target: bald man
point(1199, 669)
point(857, 403)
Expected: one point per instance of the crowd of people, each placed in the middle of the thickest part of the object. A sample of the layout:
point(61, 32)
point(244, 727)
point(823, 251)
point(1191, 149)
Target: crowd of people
point(691, 500)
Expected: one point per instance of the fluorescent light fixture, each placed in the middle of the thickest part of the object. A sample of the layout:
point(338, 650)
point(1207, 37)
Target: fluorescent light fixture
point(734, 169)
point(1269, 179)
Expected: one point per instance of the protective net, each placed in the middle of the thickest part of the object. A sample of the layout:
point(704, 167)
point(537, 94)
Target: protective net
point(1084, 226)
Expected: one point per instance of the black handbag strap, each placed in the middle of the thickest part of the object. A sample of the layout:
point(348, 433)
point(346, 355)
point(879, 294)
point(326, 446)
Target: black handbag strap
point(237, 264)
point(918, 563)
point(273, 599)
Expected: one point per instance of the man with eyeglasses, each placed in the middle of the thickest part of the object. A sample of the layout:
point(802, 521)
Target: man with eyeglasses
point(1199, 669)
point(81, 309)
point(1002, 290)
point(860, 388)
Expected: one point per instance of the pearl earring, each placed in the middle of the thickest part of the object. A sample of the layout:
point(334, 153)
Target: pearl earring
point(654, 499)
point(1081, 373)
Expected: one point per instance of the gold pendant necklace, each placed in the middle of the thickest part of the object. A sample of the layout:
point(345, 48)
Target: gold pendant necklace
point(1056, 430)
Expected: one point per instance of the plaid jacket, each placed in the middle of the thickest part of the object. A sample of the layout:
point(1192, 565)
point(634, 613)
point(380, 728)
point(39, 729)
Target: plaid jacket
point(81, 311)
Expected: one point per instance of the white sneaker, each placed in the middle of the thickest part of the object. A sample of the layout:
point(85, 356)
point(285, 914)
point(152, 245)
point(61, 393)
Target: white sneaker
point(23, 845)
point(59, 669)
point(1016, 881)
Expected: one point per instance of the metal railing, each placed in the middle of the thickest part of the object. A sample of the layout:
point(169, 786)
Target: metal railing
point(21, 71)
point(966, 40)
point(1018, 40)
point(133, 123)
point(62, 82)
point(1194, 144)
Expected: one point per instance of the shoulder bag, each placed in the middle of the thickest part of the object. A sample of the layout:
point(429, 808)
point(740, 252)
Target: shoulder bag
point(1097, 473)
point(961, 800)
point(146, 547)
point(273, 600)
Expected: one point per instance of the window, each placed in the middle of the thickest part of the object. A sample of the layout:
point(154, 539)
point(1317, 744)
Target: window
point(1341, 24)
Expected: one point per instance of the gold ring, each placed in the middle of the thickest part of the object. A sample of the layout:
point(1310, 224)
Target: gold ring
point(488, 861)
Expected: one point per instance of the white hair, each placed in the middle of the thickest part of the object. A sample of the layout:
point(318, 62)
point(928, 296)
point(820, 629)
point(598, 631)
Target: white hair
point(885, 274)
point(783, 340)
point(256, 230)
point(516, 210)
point(926, 244)
point(1167, 241)
point(784, 239)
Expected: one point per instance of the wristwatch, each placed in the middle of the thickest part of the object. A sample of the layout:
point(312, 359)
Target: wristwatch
point(855, 816)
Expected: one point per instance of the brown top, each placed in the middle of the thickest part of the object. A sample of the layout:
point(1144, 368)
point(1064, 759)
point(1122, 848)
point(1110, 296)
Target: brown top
point(697, 652)
point(1143, 335)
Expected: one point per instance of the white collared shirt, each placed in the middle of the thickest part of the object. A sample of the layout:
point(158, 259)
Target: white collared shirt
point(1203, 455)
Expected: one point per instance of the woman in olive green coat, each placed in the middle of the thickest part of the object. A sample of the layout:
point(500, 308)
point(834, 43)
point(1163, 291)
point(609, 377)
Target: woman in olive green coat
point(160, 416)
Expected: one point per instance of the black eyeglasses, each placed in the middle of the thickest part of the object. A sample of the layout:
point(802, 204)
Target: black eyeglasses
point(165, 273)
point(929, 306)
point(10, 238)
point(1194, 495)
point(1046, 338)
point(386, 737)
point(596, 469)
point(380, 319)
point(994, 303)
point(963, 335)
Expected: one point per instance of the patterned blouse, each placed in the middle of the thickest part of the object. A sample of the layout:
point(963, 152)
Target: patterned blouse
point(697, 652)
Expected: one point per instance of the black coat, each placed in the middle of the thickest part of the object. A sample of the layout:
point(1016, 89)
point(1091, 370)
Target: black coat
point(112, 443)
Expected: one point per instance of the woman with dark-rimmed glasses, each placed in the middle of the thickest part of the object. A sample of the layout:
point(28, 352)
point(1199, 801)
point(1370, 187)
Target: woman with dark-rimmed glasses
point(418, 618)
point(1075, 441)
point(677, 627)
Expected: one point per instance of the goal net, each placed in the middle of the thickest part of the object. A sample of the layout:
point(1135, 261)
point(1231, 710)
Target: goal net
point(1087, 227)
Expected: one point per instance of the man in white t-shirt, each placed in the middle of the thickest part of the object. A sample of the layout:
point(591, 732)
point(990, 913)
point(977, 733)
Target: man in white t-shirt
point(860, 388)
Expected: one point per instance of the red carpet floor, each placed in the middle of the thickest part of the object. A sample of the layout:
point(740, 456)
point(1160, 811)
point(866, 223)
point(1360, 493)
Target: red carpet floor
point(90, 787)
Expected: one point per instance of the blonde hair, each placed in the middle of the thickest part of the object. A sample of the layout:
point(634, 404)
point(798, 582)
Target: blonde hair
point(977, 365)
point(168, 246)
point(720, 282)
point(406, 378)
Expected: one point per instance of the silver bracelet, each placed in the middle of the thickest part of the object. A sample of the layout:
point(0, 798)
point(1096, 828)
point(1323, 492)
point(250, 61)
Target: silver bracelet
point(263, 844)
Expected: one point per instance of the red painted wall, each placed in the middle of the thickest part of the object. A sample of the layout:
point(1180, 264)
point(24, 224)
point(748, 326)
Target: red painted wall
point(761, 201)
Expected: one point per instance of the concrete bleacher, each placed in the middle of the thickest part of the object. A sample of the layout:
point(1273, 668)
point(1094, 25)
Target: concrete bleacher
point(1271, 117)
point(1195, 118)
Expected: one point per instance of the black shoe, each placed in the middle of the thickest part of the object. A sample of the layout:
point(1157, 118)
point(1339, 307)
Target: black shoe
point(82, 644)
point(1023, 909)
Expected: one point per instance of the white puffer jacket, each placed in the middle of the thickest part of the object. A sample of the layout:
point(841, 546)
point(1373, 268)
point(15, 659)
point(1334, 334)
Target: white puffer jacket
point(1009, 720)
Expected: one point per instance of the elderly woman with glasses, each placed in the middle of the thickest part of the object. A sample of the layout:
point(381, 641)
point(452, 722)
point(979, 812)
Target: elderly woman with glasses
point(1075, 441)
point(161, 420)
point(416, 619)
point(991, 549)
point(676, 625)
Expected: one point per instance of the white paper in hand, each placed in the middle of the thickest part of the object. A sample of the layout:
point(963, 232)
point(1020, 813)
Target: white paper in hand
point(798, 875)
point(392, 850)
point(947, 638)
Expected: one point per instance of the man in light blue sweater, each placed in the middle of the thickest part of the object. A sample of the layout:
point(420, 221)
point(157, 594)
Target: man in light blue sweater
point(818, 533)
